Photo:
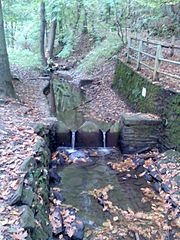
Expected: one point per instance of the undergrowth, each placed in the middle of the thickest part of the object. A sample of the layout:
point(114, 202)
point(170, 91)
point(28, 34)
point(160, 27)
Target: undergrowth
point(101, 52)
point(69, 43)
point(24, 57)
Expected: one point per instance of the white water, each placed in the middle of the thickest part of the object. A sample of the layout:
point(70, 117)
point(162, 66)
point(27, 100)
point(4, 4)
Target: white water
point(73, 141)
point(104, 139)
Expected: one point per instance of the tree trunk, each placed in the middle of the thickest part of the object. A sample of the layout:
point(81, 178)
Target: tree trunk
point(78, 6)
point(12, 34)
point(6, 86)
point(42, 34)
point(85, 28)
point(51, 40)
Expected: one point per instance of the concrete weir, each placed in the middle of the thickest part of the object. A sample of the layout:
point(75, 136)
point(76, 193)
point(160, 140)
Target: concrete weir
point(88, 135)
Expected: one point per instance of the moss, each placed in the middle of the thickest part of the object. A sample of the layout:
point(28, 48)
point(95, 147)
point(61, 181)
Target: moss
point(157, 101)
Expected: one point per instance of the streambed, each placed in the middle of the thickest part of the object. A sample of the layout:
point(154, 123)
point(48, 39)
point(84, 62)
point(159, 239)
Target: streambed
point(77, 179)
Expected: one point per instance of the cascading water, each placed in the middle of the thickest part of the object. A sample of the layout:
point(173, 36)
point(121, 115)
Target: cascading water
point(104, 139)
point(73, 141)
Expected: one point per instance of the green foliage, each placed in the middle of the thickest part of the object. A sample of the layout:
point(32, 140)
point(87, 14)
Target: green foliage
point(22, 22)
point(102, 52)
point(69, 43)
point(24, 58)
point(157, 3)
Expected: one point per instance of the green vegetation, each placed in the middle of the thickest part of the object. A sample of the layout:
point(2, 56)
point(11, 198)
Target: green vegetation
point(39, 30)
point(106, 21)
point(157, 101)
point(101, 52)
point(25, 58)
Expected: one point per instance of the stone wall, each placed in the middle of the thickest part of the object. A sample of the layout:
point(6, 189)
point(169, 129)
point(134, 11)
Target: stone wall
point(165, 103)
point(32, 194)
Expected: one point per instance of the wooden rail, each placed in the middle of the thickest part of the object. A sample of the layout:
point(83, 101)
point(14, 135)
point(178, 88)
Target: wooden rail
point(158, 58)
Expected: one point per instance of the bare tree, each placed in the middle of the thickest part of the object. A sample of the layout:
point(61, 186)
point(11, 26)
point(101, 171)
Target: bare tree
point(42, 34)
point(6, 86)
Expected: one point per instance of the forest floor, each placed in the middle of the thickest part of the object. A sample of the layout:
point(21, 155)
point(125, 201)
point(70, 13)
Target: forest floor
point(17, 137)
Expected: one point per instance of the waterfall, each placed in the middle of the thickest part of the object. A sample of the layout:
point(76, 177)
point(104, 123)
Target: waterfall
point(104, 139)
point(73, 141)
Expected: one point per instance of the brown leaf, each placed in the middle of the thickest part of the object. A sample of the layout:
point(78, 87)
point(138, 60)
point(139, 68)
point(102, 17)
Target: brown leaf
point(20, 235)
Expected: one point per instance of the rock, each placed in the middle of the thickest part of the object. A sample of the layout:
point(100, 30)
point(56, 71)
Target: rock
point(173, 203)
point(27, 220)
point(139, 169)
point(156, 187)
point(16, 198)
point(29, 161)
point(64, 75)
point(58, 196)
point(84, 82)
point(78, 225)
point(39, 129)
point(56, 217)
point(27, 197)
point(151, 168)
point(39, 146)
point(79, 157)
point(165, 187)
point(163, 171)
point(141, 162)
point(54, 178)
point(148, 177)
point(155, 175)
point(60, 161)
point(88, 135)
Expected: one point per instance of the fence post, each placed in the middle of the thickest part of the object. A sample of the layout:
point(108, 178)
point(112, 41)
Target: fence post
point(172, 46)
point(128, 50)
point(140, 48)
point(157, 63)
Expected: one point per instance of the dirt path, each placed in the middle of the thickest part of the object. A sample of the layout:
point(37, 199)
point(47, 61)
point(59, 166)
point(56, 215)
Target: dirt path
point(106, 105)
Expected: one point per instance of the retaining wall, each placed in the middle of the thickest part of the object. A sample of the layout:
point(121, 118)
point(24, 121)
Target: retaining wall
point(165, 103)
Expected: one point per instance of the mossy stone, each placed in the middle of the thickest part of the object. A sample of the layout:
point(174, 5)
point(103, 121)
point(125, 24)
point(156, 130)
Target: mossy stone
point(164, 102)
point(89, 127)
point(27, 197)
point(39, 129)
point(27, 220)
point(16, 198)
point(28, 162)
point(115, 128)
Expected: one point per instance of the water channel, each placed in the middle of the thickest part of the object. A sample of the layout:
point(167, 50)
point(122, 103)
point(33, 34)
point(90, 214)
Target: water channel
point(79, 179)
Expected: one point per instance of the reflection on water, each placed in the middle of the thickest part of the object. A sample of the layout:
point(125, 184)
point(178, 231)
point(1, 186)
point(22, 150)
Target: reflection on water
point(68, 99)
point(77, 180)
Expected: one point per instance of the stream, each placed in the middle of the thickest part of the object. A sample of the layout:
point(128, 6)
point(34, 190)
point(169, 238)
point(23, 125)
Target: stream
point(78, 179)
point(88, 169)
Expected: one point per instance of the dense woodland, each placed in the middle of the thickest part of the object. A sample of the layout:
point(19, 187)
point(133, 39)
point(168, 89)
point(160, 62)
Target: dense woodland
point(34, 28)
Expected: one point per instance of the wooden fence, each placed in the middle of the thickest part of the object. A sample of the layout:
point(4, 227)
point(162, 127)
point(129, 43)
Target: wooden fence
point(158, 57)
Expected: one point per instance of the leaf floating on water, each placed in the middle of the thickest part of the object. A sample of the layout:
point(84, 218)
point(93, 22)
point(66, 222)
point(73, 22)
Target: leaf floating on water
point(115, 219)
point(70, 232)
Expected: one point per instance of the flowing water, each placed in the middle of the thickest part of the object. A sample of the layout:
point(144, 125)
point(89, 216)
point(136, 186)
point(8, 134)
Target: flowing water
point(73, 140)
point(104, 139)
point(81, 177)
point(78, 179)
